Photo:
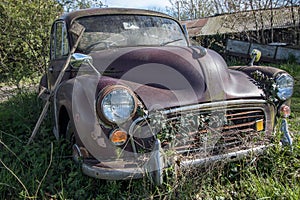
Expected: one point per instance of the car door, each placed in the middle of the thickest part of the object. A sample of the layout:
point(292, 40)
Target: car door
point(59, 50)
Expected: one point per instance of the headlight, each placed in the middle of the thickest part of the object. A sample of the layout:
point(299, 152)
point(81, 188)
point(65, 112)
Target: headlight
point(116, 104)
point(284, 86)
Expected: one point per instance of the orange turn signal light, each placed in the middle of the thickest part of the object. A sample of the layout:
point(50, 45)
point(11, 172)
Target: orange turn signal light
point(118, 137)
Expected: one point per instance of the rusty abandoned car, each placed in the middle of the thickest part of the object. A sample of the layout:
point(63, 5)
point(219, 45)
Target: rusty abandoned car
point(133, 97)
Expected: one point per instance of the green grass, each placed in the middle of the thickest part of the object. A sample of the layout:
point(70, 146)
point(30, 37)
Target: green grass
point(42, 170)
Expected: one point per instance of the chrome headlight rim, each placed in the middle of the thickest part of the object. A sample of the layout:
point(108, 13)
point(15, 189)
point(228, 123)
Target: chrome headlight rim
point(104, 93)
point(284, 86)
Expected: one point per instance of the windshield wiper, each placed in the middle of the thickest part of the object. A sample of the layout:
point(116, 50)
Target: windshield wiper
point(106, 45)
point(169, 42)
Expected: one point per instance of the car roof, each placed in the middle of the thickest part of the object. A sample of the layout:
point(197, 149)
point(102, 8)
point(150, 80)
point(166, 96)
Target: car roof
point(70, 17)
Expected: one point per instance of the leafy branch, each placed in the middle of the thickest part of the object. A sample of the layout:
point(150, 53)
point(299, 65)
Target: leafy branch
point(267, 84)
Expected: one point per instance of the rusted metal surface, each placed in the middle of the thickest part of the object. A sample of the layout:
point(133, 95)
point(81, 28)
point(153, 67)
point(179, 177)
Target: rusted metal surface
point(186, 103)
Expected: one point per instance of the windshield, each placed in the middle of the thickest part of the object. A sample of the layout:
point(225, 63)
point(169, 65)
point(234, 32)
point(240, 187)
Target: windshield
point(129, 30)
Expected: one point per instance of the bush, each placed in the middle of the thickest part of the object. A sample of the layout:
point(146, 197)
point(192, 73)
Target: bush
point(25, 29)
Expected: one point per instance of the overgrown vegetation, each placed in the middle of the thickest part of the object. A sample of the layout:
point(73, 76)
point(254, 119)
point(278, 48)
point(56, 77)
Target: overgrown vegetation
point(24, 39)
point(42, 170)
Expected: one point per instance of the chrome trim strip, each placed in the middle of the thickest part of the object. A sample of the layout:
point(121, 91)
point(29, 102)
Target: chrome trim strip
point(212, 105)
point(225, 157)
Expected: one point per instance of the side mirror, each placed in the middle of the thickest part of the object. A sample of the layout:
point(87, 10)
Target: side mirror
point(255, 56)
point(78, 59)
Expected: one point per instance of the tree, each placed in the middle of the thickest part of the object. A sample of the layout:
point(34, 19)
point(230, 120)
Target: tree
point(231, 6)
point(191, 9)
point(69, 5)
point(25, 29)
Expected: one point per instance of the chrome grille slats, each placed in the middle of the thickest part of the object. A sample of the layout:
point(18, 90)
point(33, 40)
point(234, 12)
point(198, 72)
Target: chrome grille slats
point(209, 129)
point(234, 128)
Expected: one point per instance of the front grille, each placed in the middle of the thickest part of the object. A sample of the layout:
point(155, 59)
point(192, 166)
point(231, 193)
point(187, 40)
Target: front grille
point(206, 129)
point(211, 131)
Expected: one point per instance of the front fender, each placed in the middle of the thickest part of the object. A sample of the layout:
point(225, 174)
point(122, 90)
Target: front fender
point(271, 72)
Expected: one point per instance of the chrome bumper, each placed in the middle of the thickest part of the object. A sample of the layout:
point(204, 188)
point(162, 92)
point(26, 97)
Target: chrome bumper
point(225, 157)
point(155, 163)
point(153, 167)
point(112, 174)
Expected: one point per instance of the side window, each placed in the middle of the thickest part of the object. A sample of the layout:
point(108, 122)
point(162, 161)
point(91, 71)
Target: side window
point(59, 41)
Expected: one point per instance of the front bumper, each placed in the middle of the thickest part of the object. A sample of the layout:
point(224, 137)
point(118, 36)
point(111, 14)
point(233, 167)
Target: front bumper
point(112, 173)
point(119, 170)
point(157, 166)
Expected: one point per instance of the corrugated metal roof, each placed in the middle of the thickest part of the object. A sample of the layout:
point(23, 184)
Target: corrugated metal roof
point(195, 26)
point(244, 21)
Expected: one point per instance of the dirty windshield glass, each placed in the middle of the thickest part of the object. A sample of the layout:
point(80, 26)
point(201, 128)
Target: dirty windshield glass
point(111, 31)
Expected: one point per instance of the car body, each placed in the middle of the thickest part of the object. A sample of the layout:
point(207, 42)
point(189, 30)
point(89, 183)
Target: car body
point(137, 98)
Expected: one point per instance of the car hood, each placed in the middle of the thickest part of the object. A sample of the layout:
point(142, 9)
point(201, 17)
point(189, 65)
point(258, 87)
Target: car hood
point(164, 77)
